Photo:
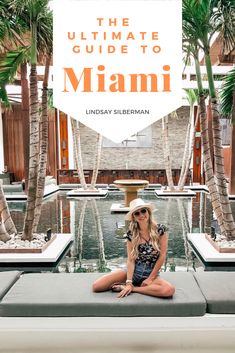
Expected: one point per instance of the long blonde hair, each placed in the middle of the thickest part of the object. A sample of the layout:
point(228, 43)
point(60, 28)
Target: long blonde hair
point(136, 237)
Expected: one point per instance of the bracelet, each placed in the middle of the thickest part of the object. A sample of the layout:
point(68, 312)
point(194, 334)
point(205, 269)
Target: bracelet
point(128, 281)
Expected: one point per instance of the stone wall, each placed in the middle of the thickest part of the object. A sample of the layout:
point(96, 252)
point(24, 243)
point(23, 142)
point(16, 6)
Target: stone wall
point(140, 158)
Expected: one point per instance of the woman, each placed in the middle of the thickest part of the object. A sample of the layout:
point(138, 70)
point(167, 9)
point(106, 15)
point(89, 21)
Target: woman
point(146, 250)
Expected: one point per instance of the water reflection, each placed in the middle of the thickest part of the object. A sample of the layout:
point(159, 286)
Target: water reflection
point(78, 247)
point(98, 234)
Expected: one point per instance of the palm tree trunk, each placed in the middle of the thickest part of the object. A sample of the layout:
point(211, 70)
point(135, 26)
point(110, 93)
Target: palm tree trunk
point(185, 157)
point(77, 152)
point(219, 171)
point(207, 161)
point(210, 180)
point(97, 158)
point(43, 148)
point(5, 214)
point(190, 154)
point(232, 158)
point(25, 111)
point(218, 156)
point(166, 152)
point(4, 236)
point(33, 155)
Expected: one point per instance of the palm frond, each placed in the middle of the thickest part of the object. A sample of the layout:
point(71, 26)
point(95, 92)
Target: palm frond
point(45, 33)
point(223, 20)
point(10, 63)
point(4, 97)
point(226, 94)
point(12, 28)
point(191, 95)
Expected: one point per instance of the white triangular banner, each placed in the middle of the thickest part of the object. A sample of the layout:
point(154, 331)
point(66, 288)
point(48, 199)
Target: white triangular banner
point(117, 68)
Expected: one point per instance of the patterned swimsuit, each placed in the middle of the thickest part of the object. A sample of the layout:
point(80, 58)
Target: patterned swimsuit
point(147, 257)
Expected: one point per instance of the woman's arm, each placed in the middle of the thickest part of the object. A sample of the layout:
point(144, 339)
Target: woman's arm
point(130, 270)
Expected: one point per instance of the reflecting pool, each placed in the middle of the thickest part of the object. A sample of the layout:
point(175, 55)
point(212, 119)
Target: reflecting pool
point(98, 235)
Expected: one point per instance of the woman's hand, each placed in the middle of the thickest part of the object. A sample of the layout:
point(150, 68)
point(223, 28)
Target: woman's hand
point(126, 291)
point(146, 282)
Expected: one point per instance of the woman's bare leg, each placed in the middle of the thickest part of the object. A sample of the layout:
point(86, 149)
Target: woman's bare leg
point(105, 283)
point(158, 288)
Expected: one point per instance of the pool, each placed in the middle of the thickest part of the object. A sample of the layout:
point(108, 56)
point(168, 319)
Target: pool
point(98, 234)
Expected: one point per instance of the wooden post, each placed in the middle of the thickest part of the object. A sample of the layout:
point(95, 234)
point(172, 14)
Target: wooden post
point(64, 151)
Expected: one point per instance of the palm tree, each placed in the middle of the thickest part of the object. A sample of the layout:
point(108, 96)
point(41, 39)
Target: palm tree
point(78, 156)
point(43, 152)
point(166, 152)
point(191, 48)
point(37, 19)
point(190, 138)
point(200, 22)
point(78, 152)
point(215, 21)
point(10, 31)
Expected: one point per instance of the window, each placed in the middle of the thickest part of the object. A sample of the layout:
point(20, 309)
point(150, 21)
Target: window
point(141, 139)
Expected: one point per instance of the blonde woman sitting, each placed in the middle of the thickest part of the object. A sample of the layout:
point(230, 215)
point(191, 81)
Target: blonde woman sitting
point(146, 249)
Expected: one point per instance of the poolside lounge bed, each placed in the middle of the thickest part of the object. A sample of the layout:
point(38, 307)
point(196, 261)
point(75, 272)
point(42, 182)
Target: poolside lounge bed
point(60, 312)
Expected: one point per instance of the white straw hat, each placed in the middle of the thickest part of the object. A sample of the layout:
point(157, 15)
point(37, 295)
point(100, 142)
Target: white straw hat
point(137, 204)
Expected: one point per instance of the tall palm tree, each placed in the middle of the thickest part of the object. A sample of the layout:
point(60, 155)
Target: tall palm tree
point(33, 13)
point(191, 46)
point(37, 20)
point(10, 35)
point(78, 156)
point(190, 138)
point(43, 148)
point(201, 19)
point(78, 152)
point(166, 152)
point(214, 19)
point(45, 47)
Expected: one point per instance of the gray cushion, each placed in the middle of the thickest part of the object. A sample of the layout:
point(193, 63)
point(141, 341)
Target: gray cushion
point(218, 289)
point(7, 279)
point(51, 294)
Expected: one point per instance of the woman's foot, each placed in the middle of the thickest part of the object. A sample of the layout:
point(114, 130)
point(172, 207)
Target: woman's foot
point(118, 287)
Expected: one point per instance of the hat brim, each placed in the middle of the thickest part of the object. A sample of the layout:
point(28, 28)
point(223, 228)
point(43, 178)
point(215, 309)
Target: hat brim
point(149, 206)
